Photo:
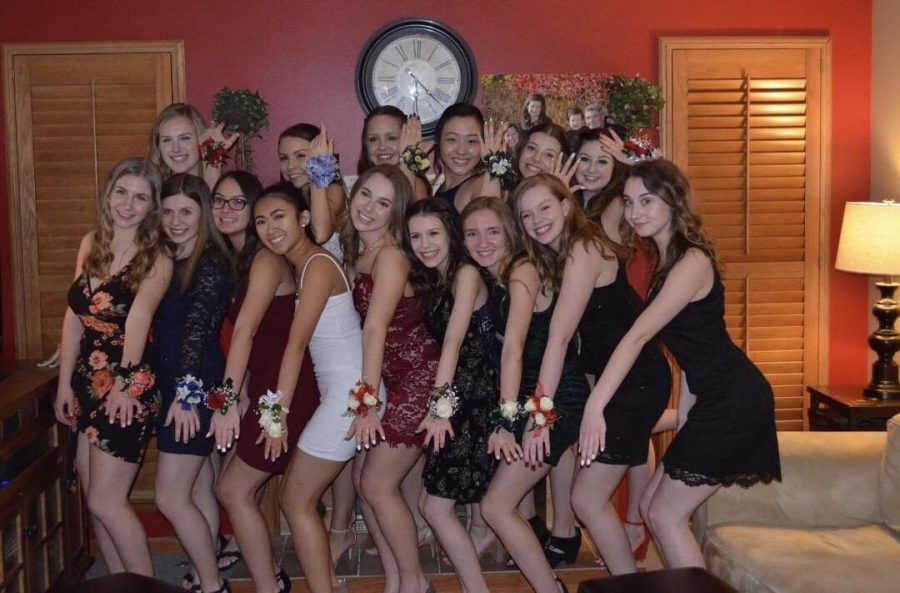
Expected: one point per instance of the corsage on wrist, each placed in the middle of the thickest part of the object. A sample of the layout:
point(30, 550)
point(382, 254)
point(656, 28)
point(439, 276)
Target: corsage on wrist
point(189, 392)
point(137, 379)
point(213, 153)
point(415, 158)
point(321, 169)
point(221, 397)
point(270, 410)
point(362, 399)
point(541, 409)
point(442, 402)
point(506, 415)
point(499, 165)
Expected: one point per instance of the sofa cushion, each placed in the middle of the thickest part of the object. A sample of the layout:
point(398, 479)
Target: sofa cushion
point(758, 559)
point(890, 476)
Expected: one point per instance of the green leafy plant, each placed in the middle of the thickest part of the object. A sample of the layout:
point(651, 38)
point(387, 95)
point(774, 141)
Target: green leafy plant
point(632, 102)
point(243, 112)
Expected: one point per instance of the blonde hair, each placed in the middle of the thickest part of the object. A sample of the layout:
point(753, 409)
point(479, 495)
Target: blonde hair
point(172, 111)
point(514, 248)
point(100, 257)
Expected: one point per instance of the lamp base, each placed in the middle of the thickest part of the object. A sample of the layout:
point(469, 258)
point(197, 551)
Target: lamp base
point(885, 341)
point(882, 392)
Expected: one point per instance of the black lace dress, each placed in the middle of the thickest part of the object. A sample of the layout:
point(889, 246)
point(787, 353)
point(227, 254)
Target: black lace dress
point(729, 436)
point(186, 341)
point(462, 469)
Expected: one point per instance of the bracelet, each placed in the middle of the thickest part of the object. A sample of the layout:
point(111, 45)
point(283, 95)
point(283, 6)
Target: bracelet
point(541, 409)
point(270, 410)
point(137, 379)
point(213, 153)
point(442, 402)
point(189, 392)
point(506, 416)
point(321, 169)
point(499, 165)
point(221, 397)
point(415, 158)
point(362, 399)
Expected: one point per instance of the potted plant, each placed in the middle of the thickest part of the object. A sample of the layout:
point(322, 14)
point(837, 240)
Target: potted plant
point(243, 112)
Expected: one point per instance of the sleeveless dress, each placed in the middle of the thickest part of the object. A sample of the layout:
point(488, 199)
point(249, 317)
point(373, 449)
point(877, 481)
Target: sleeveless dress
point(449, 194)
point(573, 389)
point(102, 312)
point(640, 400)
point(729, 436)
point(186, 341)
point(336, 350)
point(263, 367)
point(410, 364)
point(462, 469)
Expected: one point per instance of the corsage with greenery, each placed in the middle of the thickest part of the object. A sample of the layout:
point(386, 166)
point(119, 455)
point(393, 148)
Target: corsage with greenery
point(321, 169)
point(541, 409)
point(137, 379)
point(189, 392)
point(213, 153)
point(415, 158)
point(442, 402)
point(499, 165)
point(506, 415)
point(270, 410)
point(221, 397)
point(362, 399)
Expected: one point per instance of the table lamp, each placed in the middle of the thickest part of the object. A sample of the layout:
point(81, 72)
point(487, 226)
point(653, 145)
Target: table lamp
point(870, 244)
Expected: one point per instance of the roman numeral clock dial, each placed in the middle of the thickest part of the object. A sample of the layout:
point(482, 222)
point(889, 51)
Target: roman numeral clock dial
point(419, 66)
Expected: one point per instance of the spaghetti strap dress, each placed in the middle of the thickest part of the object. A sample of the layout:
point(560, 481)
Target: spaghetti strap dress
point(462, 469)
point(641, 398)
point(729, 436)
point(102, 312)
point(410, 364)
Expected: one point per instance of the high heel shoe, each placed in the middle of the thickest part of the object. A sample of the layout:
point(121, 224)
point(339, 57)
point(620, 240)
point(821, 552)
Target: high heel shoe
point(223, 588)
point(540, 529)
point(284, 581)
point(558, 549)
point(639, 548)
point(227, 558)
point(338, 550)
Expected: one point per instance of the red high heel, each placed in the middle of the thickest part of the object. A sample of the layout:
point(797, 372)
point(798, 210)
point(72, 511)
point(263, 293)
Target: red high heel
point(640, 549)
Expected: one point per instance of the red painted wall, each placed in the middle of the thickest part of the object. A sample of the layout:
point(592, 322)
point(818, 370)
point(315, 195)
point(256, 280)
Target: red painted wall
point(301, 57)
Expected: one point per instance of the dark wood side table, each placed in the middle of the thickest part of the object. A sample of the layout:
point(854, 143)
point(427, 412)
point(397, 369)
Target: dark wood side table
point(845, 408)
point(673, 580)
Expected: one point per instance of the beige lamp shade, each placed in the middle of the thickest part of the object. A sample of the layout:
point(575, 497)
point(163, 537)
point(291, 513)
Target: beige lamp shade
point(870, 238)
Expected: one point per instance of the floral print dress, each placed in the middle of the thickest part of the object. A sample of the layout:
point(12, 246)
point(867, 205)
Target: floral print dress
point(102, 311)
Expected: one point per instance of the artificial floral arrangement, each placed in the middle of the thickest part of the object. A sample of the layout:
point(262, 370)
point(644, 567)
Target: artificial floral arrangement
point(243, 112)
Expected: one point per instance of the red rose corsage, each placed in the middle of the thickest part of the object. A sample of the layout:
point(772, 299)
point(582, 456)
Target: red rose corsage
point(221, 397)
point(213, 153)
point(362, 399)
point(137, 379)
point(541, 409)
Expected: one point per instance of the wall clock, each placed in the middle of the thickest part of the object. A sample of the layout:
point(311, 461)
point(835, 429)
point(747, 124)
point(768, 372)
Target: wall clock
point(417, 65)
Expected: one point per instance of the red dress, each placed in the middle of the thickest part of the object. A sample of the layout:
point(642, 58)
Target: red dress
point(410, 363)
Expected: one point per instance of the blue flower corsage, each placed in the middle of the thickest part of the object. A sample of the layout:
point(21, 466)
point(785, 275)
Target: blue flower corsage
point(189, 392)
point(321, 169)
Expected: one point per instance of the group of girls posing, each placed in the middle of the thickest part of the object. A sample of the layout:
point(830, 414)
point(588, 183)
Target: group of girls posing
point(397, 299)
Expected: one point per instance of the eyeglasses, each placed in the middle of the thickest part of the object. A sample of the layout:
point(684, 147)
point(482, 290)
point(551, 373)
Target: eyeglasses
point(233, 204)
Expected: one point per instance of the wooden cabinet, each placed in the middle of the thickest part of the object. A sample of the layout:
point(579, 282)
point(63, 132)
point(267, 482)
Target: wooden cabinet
point(43, 522)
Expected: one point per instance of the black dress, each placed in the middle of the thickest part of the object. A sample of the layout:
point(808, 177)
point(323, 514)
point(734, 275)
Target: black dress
point(103, 312)
point(573, 389)
point(186, 342)
point(639, 402)
point(729, 436)
point(462, 469)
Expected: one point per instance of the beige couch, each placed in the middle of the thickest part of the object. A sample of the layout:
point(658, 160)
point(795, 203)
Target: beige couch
point(831, 525)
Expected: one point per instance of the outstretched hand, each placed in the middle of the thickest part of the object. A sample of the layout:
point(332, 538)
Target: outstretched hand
point(436, 432)
point(411, 132)
point(216, 132)
point(592, 436)
point(321, 144)
point(492, 140)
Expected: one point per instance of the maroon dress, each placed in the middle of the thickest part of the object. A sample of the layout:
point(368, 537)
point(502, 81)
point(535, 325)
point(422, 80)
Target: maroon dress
point(264, 365)
point(410, 363)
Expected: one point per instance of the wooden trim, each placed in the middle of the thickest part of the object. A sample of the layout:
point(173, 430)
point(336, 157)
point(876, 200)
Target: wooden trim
point(22, 220)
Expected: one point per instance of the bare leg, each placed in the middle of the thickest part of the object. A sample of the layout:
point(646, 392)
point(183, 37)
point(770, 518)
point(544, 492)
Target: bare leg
point(388, 562)
point(175, 477)
point(508, 487)
point(384, 470)
point(670, 512)
point(590, 496)
point(124, 546)
point(104, 541)
point(639, 477)
point(482, 535)
point(441, 515)
point(413, 493)
point(203, 494)
point(238, 490)
point(306, 480)
point(561, 479)
point(343, 498)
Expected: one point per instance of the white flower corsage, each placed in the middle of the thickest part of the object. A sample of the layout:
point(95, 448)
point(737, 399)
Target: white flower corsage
point(442, 402)
point(362, 399)
point(270, 410)
point(541, 409)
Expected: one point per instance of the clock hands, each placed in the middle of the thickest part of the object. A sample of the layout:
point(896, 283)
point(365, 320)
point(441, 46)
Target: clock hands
point(419, 83)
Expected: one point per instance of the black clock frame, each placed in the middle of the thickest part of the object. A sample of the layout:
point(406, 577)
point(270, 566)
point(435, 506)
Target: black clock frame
point(408, 26)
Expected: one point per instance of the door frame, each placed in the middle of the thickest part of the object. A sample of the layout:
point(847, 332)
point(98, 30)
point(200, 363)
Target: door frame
point(20, 185)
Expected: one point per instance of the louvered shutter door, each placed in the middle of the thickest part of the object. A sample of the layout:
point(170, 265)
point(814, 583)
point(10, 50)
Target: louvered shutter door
point(743, 124)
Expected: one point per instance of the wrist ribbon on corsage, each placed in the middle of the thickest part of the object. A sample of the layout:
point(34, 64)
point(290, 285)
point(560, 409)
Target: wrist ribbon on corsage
point(137, 379)
point(506, 415)
point(362, 399)
point(321, 169)
point(415, 158)
point(221, 397)
point(499, 165)
point(189, 392)
point(442, 402)
point(213, 153)
point(270, 410)
point(541, 409)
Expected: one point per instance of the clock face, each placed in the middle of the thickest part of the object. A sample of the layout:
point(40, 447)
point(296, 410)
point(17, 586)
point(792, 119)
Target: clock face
point(418, 66)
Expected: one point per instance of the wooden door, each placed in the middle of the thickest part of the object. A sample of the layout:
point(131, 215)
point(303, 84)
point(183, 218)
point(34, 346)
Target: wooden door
point(748, 120)
point(72, 112)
